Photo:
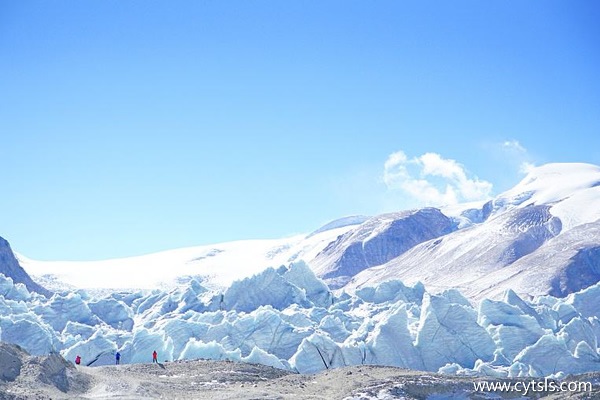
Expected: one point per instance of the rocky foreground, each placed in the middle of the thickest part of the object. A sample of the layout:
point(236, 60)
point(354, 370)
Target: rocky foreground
point(52, 377)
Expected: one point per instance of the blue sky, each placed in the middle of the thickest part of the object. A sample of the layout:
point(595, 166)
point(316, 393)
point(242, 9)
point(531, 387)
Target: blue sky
point(128, 127)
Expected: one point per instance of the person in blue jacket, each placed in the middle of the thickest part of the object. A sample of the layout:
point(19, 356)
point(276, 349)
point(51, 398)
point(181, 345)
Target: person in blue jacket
point(118, 358)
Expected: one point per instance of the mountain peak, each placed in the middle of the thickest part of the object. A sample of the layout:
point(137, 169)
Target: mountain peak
point(559, 179)
point(550, 184)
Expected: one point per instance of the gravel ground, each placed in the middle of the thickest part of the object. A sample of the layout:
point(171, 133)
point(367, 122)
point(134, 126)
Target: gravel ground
point(26, 377)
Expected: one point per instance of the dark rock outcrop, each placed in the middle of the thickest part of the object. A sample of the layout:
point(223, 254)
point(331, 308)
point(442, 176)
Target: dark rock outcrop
point(9, 266)
point(11, 362)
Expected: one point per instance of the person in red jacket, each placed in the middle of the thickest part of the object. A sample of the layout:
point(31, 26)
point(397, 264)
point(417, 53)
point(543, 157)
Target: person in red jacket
point(78, 360)
point(155, 357)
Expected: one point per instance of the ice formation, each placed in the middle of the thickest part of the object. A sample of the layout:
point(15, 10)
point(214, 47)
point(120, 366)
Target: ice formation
point(304, 327)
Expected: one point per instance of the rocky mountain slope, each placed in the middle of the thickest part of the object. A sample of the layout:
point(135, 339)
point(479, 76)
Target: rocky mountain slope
point(10, 267)
point(23, 376)
point(377, 241)
point(540, 237)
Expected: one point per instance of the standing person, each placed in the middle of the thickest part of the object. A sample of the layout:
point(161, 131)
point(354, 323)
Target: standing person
point(117, 358)
point(154, 357)
point(78, 359)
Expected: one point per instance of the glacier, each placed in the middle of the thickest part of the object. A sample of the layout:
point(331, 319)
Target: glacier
point(302, 326)
point(506, 288)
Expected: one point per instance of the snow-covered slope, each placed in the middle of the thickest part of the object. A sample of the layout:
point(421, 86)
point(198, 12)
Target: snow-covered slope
point(572, 191)
point(464, 257)
point(566, 264)
point(217, 266)
point(540, 237)
point(376, 241)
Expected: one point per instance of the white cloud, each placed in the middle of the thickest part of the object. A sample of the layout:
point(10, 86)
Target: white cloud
point(395, 168)
point(431, 179)
point(518, 155)
point(514, 146)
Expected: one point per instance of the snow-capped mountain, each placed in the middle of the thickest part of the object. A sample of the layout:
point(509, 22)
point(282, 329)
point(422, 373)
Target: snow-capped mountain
point(541, 237)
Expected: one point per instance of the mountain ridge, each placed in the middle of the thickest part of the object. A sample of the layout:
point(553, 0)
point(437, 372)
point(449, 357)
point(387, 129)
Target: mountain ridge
point(459, 246)
point(516, 225)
